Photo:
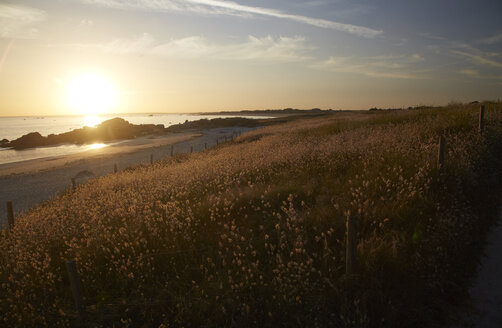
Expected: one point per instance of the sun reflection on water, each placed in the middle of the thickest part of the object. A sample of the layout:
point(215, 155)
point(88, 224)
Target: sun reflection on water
point(96, 146)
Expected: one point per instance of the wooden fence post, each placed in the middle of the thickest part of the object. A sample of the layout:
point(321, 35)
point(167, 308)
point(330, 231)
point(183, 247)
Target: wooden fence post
point(151, 158)
point(172, 150)
point(217, 141)
point(115, 169)
point(205, 145)
point(481, 119)
point(441, 146)
point(351, 246)
point(76, 289)
point(73, 183)
point(191, 149)
point(10, 214)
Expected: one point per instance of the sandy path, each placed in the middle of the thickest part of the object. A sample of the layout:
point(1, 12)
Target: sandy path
point(31, 182)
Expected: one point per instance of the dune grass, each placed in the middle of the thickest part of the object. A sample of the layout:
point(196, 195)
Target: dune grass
point(252, 232)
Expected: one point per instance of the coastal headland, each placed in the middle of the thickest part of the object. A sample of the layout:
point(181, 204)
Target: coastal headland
point(118, 129)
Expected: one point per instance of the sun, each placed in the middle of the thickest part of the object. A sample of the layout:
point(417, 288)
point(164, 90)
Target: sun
point(91, 120)
point(91, 94)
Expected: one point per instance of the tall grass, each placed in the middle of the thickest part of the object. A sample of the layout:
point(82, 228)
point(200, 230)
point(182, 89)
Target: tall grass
point(251, 233)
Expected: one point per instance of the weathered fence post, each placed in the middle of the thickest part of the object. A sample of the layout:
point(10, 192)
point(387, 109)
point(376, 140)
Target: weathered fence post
point(481, 119)
point(76, 289)
point(217, 141)
point(205, 145)
point(115, 169)
point(151, 158)
point(73, 183)
point(10, 214)
point(351, 246)
point(441, 146)
point(172, 150)
point(191, 149)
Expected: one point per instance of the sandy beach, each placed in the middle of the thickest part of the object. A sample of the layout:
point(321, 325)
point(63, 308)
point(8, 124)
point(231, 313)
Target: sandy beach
point(30, 182)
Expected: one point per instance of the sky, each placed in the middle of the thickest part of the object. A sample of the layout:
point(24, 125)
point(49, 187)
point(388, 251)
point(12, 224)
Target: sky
point(174, 56)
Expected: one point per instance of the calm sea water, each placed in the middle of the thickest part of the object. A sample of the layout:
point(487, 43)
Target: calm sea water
point(14, 127)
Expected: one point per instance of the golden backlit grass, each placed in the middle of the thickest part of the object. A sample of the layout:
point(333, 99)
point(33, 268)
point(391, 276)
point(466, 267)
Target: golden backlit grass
point(251, 233)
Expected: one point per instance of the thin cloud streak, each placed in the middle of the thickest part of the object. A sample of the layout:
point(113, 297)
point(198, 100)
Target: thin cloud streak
point(269, 49)
point(391, 67)
point(469, 72)
point(475, 74)
point(478, 59)
point(282, 49)
point(492, 39)
point(485, 62)
point(15, 21)
point(233, 8)
point(353, 29)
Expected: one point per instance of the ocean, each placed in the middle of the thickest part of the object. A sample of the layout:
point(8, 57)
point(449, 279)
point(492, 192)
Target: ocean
point(12, 128)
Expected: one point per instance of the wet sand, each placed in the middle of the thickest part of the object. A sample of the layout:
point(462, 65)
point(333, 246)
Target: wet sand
point(112, 150)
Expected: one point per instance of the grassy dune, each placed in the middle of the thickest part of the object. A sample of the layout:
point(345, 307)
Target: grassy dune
point(252, 232)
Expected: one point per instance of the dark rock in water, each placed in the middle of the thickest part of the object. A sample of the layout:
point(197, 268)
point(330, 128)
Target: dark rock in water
point(4, 142)
point(110, 130)
point(26, 141)
point(119, 129)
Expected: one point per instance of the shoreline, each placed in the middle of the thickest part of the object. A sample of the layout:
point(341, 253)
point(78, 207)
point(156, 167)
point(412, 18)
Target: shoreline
point(31, 182)
point(33, 166)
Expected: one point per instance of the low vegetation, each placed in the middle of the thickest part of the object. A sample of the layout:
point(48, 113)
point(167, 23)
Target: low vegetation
point(252, 232)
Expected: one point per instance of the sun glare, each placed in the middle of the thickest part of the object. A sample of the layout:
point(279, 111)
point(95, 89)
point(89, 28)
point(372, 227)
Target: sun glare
point(96, 146)
point(91, 120)
point(91, 94)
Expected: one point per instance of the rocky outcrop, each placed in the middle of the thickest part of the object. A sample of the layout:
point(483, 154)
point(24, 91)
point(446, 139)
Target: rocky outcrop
point(119, 129)
point(33, 138)
point(110, 130)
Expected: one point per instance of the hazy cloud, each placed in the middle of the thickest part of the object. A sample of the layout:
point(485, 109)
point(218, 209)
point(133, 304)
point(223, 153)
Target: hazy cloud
point(281, 49)
point(394, 67)
point(430, 36)
point(86, 22)
point(476, 74)
point(189, 47)
point(492, 39)
point(232, 8)
point(466, 52)
point(469, 72)
point(139, 45)
point(416, 58)
point(16, 21)
point(479, 58)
